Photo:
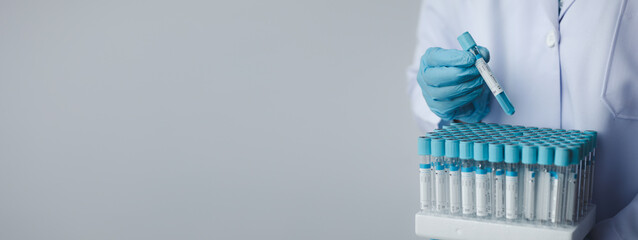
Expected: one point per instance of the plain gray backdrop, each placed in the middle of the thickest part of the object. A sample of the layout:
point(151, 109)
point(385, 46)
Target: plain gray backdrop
point(207, 120)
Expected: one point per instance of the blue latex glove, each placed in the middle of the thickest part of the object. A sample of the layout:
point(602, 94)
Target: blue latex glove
point(452, 86)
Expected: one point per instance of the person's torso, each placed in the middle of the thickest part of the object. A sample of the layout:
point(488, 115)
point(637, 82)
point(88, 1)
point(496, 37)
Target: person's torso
point(577, 73)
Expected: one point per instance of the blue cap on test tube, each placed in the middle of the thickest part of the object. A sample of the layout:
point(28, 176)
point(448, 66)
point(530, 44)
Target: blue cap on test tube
point(438, 147)
point(512, 153)
point(495, 152)
point(424, 145)
point(530, 154)
point(545, 155)
point(481, 152)
point(466, 149)
point(452, 148)
point(575, 153)
point(562, 156)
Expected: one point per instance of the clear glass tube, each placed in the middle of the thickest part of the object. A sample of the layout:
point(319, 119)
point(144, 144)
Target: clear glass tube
point(586, 182)
point(557, 194)
point(587, 178)
point(441, 185)
point(498, 189)
point(543, 194)
point(592, 160)
point(529, 191)
point(467, 42)
point(570, 198)
point(590, 180)
point(581, 186)
point(591, 174)
point(483, 191)
point(425, 183)
point(468, 195)
point(455, 184)
point(432, 187)
point(512, 193)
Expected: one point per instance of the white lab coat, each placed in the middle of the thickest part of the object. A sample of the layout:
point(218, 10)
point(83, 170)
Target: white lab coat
point(577, 69)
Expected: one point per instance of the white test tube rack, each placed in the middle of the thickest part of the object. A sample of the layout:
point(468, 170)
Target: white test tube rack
point(451, 227)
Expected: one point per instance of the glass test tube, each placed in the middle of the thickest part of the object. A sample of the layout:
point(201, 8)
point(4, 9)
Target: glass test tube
point(545, 161)
point(571, 208)
point(468, 44)
point(582, 176)
point(580, 188)
point(440, 176)
point(482, 180)
point(558, 182)
point(498, 179)
point(513, 186)
point(452, 159)
point(468, 195)
point(587, 175)
point(529, 160)
point(593, 136)
point(425, 174)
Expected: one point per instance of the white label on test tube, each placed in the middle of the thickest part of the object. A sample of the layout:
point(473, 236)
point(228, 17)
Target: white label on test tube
point(529, 196)
point(571, 198)
point(467, 192)
point(441, 191)
point(542, 198)
point(426, 187)
point(511, 195)
point(556, 197)
point(455, 191)
point(499, 200)
point(486, 73)
point(482, 197)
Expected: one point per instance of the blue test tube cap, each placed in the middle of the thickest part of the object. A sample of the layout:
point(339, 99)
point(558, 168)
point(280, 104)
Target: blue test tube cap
point(545, 155)
point(452, 148)
point(496, 152)
point(512, 153)
point(466, 149)
point(424, 145)
point(562, 156)
point(438, 147)
point(584, 145)
point(575, 153)
point(466, 41)
point(481, 152)
point(529, 154)
point(593, 134)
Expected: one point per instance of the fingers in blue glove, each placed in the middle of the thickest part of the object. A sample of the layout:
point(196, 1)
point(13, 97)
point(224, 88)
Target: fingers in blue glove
point(472, 112)
point(480, 108)
point(448, 76)
point(439, 57)
point(448, 106)
point(485, 53)
point(454, 91)
point(452, 85)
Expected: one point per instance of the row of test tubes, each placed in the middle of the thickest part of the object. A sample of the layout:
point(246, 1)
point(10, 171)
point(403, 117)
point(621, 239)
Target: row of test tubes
point(507, 173)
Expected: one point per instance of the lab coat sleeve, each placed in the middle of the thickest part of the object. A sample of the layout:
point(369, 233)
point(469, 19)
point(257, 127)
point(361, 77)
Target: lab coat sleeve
point(622, 226)
point(433, 31)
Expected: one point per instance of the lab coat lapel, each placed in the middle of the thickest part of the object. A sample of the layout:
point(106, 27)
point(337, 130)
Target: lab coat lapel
point(551, 10)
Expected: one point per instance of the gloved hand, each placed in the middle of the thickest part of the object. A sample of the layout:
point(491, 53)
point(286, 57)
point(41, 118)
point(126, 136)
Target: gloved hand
point(452, 86)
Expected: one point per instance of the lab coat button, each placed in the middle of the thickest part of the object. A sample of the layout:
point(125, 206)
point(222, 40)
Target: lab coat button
point(551, 39)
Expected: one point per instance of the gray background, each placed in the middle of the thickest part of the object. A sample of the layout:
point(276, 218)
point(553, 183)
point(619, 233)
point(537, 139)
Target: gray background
point(207, 120)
